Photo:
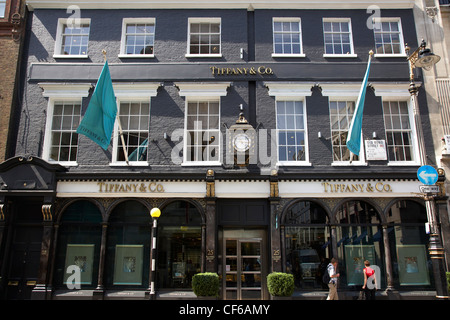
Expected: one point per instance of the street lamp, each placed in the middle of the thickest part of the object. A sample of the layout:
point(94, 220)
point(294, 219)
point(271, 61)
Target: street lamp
point(422, 57)
point(155, 213)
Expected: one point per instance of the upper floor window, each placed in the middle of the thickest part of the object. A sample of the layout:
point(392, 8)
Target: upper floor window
point(72, 38)
point(134, 119)
point(287, 37)
point(202, 131)
point(2, 8)
point(138, 37)
point(204, 37)
point(64, 119)
point(338, 39)
point(388, 36)
point(399, 133)
point(131, 136)
point(341, 115)
point(291, 128)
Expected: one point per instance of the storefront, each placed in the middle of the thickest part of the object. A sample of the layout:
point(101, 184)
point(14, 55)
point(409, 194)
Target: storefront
point(104, 228)
point(242, 229)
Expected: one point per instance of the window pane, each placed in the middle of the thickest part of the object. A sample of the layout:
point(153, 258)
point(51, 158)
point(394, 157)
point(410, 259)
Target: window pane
point(74, 40)
point(290, 116)
point(205, 38)
point(286, 37)
point(398, 131)
point(134, 119)
point(388, 38)
point(201, 118)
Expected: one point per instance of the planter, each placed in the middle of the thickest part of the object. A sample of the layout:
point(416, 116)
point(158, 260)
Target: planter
point(280, 285)
point(206, 285)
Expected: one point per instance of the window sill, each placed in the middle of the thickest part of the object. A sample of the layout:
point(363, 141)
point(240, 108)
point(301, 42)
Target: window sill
point(348, 164)
point(64, 163)
point(280, 55)
point(129, 164)
point(390, 55)
point(403, 163)
point(201, 163)
point(294, 164)
point(216, 55)
point(340, 55)
point(69, 56)
point(133, 56)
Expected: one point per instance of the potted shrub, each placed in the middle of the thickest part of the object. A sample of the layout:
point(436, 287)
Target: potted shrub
point(280, 285)
point(206, 284)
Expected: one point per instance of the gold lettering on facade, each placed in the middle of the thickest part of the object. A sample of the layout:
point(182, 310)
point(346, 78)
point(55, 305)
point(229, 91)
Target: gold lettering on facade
point(261, 70)
point(109, 187)
point(356, 187)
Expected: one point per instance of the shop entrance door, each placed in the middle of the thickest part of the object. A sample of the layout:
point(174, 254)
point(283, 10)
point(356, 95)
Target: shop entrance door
point(24, 251)
point(244, 267)
point(24, 262)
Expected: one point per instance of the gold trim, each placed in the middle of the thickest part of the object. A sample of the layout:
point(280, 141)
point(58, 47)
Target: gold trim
point(47, 212)
point(2, 213)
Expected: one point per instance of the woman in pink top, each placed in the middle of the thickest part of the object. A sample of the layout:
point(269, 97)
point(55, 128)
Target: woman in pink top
point(370, 282)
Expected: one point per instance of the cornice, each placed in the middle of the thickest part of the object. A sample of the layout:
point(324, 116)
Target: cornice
point(219, 4)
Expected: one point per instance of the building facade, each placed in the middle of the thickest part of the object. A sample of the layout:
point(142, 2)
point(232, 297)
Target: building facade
point(11, 39)
point(433, 21)
point(232, 120)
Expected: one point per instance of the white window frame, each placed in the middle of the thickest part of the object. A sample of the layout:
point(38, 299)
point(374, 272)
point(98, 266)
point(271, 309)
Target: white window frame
point(2, 12)
point(292, 91)
point(399, 92)
point(128, 92)
point(59, 38)
point(123, 43)
point(194, 92)
point(288, 55)
point(346, 91)
point(58, 92)
point(402, 41)
point(343, 55)
point(203, 131)
point(203, 55)
point(304, 162)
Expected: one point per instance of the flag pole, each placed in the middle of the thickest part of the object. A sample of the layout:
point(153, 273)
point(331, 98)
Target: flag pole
point(118, 122)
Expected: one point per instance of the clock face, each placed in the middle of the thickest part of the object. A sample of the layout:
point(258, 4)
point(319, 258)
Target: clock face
point(241, 142)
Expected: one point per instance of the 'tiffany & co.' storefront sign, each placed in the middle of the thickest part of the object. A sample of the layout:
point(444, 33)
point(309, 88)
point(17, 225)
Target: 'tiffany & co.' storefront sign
point(237, 189)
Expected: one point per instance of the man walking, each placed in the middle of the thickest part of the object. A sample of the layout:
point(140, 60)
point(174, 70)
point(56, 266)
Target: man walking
point(331, 269)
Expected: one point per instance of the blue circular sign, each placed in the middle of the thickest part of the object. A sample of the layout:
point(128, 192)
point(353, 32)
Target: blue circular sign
point(427, 175)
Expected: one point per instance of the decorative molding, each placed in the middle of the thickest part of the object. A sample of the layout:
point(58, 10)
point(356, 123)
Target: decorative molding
point(202, 89)
point(219, 4)
point(289, 89)
point(65, 90)
point(389, 89)
point(136, 90)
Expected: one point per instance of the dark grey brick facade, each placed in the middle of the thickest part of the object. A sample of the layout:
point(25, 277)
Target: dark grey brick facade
point(170, 65)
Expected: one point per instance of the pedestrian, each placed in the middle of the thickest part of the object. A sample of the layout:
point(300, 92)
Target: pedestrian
point(332, 285)
point(370, 281)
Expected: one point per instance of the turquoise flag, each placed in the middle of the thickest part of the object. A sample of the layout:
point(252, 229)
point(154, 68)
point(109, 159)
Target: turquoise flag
point(98, 121)
point(354, 132)
point(140, 153)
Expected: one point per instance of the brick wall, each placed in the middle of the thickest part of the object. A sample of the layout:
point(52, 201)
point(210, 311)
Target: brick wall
point(8, 64)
